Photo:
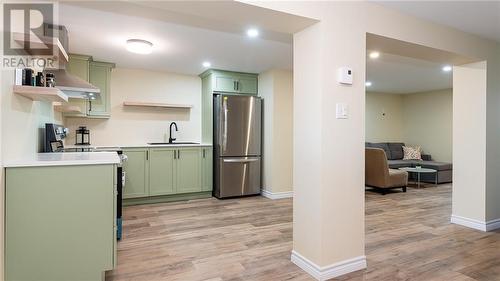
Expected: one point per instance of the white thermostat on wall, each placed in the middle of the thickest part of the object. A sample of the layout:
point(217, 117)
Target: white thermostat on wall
point(344, 75)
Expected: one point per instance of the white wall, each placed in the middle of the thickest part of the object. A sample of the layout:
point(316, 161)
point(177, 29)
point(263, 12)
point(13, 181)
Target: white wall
point(384, 117)
point(276, 89)
point(424, 119)
point(23, 121)
point(2, 193)
point(469, 123)
point(428, 122)
point(328, 189)
point(266, 88)
point(140, 125)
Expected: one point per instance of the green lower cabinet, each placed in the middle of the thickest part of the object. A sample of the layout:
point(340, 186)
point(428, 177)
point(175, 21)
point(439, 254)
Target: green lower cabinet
point(161, 171)
point(207, 169)
point(136, 173)
point(59, 223)
point(164, 173)
point(188, 170)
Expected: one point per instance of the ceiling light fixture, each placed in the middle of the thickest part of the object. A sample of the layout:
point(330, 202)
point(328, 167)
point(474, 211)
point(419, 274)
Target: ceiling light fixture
point(368, 83)
point(374, 55)
point(206, 64)
point(447, 68)
point(252, 32)
point(139, 46)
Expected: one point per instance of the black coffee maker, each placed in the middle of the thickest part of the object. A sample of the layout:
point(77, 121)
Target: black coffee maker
point(54, 134)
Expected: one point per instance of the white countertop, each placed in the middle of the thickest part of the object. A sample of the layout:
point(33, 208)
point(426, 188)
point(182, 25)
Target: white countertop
point(65, 159)
point(136, 145)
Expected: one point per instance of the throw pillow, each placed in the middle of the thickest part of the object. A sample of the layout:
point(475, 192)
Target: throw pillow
point(412, 153)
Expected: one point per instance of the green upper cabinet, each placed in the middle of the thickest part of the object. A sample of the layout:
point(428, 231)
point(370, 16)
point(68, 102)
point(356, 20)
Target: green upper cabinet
point(247, 84)
point(78, 65)
point(136, 173)
point(231, 82)
point(206, 168)
point(220, 81)
point(162, 171)
point(188, 170)
point(224, 83)
point(100, 76)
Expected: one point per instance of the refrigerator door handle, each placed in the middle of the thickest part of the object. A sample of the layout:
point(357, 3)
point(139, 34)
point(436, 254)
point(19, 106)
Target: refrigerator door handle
point(224, 125)
point(240, 160)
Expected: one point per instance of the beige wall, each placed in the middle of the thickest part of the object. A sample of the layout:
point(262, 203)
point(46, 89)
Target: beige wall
point(428, 122)
point(136, 125)
point(275, 87)
point(384, 117)
point(329, 192)
point(424, 119)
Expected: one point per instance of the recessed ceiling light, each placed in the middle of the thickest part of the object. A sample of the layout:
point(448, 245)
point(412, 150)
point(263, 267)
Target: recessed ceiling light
point(447, 68)
point(374, 55)
point(252, 32)
point(139, 46)
point(206, 64)
point(368, 83)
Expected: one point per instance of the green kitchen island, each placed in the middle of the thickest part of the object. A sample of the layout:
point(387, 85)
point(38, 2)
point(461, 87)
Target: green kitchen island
point(60, 217)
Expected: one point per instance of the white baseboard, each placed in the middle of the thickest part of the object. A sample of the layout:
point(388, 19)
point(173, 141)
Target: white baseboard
point(476, 224)
point(331, 271)
point(276, 195)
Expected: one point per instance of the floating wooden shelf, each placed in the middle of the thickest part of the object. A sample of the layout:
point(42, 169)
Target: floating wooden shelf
point(41, 93)
point(42, 42)
point(156, 104)
point(67, 108)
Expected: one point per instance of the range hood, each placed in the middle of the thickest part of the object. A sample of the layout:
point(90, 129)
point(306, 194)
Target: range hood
point(73, 86)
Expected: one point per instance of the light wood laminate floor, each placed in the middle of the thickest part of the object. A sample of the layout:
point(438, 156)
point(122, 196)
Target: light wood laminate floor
point(408, 237)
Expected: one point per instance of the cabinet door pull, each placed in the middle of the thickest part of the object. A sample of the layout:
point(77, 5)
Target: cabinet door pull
point(147, 154)
point(234, 85)
point(203, 153)
point(237, 85)
point(175, 154)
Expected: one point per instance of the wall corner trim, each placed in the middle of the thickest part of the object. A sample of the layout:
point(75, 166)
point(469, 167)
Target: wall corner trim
point(276, 195)
point(330, 271)
point(476, 224)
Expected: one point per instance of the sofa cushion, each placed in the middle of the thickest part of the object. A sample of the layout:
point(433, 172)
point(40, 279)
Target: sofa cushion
point(396, 149)
point(412, 153)
point(439, 166)
point(384, 146)
point(396, 164)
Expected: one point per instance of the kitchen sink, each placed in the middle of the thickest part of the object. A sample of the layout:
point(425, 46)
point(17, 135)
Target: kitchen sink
point(172, 143)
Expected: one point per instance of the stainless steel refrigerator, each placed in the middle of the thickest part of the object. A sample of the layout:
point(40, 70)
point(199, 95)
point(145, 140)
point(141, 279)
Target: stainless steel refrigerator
point(237, 145)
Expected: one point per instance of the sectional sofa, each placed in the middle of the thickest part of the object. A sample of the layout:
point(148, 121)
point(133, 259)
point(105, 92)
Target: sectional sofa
point(394, 152)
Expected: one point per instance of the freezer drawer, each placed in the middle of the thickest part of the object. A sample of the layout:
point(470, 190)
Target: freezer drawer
point(237, 176)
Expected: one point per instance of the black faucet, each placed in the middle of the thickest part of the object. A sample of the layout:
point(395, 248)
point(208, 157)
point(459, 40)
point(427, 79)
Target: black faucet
point(170, 139)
